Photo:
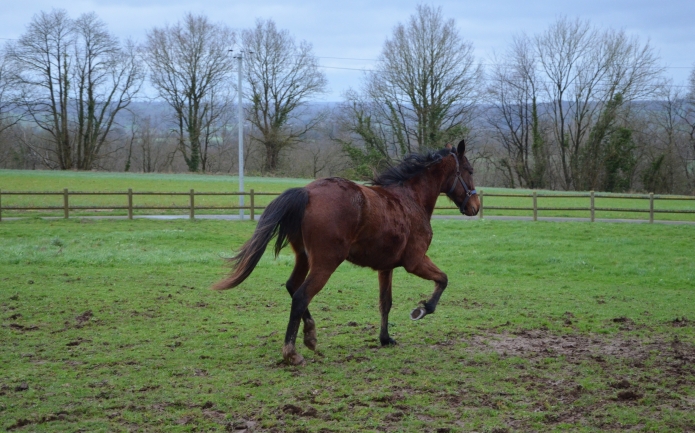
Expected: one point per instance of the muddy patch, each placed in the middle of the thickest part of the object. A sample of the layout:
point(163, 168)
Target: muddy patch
point(542, 343)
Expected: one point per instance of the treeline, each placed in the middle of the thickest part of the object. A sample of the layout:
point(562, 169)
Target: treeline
point(573, 107)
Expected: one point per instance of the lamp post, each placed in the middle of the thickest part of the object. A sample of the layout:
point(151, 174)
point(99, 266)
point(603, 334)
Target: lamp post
point(240, 107)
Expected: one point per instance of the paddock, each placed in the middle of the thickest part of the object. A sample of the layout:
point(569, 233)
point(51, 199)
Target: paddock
point(109, 325)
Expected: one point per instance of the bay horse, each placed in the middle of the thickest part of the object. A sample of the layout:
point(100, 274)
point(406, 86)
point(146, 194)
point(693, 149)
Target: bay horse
point(382, 226)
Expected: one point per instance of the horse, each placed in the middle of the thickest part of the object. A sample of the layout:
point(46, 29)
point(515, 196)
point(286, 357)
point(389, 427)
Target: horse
point(383, 226)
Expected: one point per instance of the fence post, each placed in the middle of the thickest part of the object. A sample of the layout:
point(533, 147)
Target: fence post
point(130, 203)
point(66, 208)
point(253, 213)
point(192, 213)
point(535, 206)
point(480, 211)
point(651, 207)
point(592, 206)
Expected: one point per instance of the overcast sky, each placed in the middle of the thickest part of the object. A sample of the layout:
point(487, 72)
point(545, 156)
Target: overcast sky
point(348, 35)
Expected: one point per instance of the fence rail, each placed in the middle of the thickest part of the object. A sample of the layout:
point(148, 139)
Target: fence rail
point(253, 207)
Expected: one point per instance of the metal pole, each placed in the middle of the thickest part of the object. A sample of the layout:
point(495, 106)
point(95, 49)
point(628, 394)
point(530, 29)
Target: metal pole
point(535, 206)
point(241, 140)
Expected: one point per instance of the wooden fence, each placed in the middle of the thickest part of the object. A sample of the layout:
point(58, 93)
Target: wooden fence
point(253, 207)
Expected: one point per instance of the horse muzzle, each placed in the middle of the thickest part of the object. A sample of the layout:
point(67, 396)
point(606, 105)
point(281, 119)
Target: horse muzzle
point(469, 207)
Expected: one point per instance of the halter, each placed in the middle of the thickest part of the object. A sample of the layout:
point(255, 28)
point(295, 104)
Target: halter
point(469, 192)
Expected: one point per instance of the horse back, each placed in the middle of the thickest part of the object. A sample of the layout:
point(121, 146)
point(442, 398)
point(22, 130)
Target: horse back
point(368, 226)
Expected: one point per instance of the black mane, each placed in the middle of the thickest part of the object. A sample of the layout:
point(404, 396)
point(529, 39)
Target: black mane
point(409, 167)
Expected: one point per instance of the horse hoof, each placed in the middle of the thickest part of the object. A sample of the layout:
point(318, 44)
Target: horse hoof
point(310, 334)
point(291, 356)
point(418, 313)
point(296, 359)
point(389, 342)
point(310, 341)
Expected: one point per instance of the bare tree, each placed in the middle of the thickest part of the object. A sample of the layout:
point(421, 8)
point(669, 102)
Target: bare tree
point(41, 57)
point(688, 116)
point(150, 145)
point(106, 78)
point(9, 155)
point(368, 139)
point(74, 79)
point(8, 113)
point(190, 67)
point(422, 93)
point(585, 73)
point(684, 104)
point(282, 76)
point(661, 137)
point(514, 118)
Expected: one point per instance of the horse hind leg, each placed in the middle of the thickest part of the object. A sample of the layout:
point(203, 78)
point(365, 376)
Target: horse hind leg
point(301, 269)
point(300, 302)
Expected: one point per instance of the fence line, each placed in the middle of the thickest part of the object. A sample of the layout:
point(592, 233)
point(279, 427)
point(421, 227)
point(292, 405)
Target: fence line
point(130, 207)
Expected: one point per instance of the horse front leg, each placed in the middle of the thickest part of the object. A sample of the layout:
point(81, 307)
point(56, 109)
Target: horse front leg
point(429, 271)
point(385, 301)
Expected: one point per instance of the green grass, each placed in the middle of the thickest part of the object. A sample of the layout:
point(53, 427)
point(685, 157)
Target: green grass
point(109, 326)
point(24, 180)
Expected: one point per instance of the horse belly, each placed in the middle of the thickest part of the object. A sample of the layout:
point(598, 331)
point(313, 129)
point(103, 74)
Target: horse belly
point(382, 252)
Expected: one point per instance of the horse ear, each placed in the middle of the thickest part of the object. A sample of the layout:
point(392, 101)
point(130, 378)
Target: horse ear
point(461, 148)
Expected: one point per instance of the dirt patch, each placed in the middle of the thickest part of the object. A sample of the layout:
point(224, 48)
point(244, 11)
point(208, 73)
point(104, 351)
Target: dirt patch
point(632, 369)
point(77, 342)
point(309, 412)
point(680, 322)
point(622, 384)
point(543, 343)
point(628, 396)
point(83, 318)
point(22, 328)
point(23, 422)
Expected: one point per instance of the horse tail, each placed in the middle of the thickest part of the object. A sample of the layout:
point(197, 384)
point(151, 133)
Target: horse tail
point(282, 218)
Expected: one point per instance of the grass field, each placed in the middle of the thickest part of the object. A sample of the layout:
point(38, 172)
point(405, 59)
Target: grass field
point(110, 326)
point(24, 180)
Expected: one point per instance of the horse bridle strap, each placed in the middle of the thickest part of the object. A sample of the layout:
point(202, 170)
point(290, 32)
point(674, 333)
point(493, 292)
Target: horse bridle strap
point(469, 192)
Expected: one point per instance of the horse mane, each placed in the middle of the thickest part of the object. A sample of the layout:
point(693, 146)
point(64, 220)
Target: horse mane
point(409, 167)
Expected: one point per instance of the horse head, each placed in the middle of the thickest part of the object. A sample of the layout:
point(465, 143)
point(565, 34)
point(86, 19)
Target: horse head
point(460, 186)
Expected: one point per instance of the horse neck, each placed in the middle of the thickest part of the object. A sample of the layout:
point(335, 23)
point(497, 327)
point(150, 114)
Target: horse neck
point(426, 188)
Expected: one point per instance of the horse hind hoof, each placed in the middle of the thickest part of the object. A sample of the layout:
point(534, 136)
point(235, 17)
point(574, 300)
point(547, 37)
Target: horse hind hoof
point(310, 342)
point(310, 334)
point(299, 361)
point(418, 313)
point(292, 357)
